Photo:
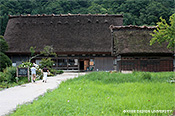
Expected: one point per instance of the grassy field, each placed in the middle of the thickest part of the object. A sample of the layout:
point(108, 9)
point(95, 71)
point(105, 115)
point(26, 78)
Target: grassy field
point(108, 94)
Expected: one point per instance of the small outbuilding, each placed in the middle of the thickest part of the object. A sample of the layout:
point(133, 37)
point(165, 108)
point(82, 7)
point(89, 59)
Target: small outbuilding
point(131, 46)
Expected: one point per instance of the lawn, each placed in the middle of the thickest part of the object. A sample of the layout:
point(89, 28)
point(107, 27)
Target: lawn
point(109, 94)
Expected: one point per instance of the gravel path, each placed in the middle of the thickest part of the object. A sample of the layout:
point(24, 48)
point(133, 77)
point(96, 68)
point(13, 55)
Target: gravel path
point(12, 97)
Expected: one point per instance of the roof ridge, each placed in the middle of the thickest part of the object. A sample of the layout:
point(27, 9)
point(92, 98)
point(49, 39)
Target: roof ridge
point(59, 15)
point(132, 26)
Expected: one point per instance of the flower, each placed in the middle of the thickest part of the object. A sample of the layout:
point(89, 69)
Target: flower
point(67, 100)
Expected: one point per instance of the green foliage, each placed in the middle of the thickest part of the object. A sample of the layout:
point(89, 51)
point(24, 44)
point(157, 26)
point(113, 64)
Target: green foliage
point(32, 50)
point(10, 73)
point(2, 77)
point(4, 61)
point(46, 62)
point(165, 32)
point(6, 84)
point(25, 64)
point(39, 73)
point(3, 45)
point(48, 50)
point(90, 95)
point(59, 72)
point(53, 71)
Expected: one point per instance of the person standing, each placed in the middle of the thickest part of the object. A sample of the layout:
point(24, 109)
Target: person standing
point(33, 73)
point(45, 72)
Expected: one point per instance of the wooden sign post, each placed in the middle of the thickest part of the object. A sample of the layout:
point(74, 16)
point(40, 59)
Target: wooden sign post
point(23, 72)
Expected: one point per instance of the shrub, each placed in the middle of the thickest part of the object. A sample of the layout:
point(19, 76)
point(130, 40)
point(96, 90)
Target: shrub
point(10, 73)
point(26, 64)
point(4, 61)
point(59, 72)
point(39, 73)
point(3, 45)
point(2, 77)
point(46, 62)
point(54, 72)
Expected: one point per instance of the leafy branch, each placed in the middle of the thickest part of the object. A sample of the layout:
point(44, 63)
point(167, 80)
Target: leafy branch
point(165, 32)
point(48, 51)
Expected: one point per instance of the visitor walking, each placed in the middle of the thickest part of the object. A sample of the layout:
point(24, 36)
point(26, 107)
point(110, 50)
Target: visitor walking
point(33, 73)
point(45, 72)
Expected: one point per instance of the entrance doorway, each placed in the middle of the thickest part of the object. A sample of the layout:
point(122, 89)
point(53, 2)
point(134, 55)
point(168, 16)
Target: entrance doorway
point(82, 65)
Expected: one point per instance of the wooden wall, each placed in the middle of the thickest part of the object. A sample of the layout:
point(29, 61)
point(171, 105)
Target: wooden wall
point(104, 64)
point(145, 64)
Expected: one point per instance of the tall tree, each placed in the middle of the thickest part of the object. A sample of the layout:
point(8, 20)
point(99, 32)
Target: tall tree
point(4, 59)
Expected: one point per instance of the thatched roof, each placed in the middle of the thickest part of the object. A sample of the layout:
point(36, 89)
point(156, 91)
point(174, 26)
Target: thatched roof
point(135, 40)
point(66, 33)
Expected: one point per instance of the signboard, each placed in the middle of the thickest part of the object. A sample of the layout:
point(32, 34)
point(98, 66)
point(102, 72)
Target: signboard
point(22, 72)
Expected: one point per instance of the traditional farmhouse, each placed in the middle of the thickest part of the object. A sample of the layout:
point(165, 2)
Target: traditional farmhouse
point(82, 42)
point(131, 45)
point(85, 42)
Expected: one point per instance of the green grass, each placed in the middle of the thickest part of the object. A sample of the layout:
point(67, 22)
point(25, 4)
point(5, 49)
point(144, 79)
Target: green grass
point(108, 94)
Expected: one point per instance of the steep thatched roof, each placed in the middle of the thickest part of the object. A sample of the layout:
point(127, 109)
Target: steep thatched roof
point(66, 33)
point(135, 40)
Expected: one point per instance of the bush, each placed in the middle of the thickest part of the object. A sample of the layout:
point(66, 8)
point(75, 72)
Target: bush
point(4, 61)
point(54, 72)
point(2, 77)
point(39, 73)
point(59, 72)
point(26, 64)
point(10, 73)
point(46, 62)
point(3, 45)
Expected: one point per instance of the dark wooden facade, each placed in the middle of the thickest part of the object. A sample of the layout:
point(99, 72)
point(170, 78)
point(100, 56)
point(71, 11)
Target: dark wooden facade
point(146, 64)
point(131, 46)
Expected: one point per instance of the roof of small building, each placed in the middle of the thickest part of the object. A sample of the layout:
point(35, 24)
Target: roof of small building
point(66, 33)
point(135, 40)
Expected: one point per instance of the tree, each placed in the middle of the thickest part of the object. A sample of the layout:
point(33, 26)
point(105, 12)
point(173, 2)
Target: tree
point(4, 59)
point(165, 32)
point(48, 51)
point(3, 44)
point(96, 8)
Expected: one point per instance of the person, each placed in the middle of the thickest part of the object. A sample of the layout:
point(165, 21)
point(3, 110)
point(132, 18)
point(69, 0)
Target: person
point(33, 73)
point(45, 71)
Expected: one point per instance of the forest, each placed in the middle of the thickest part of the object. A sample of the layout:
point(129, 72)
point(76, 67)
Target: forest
point(135, 12)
